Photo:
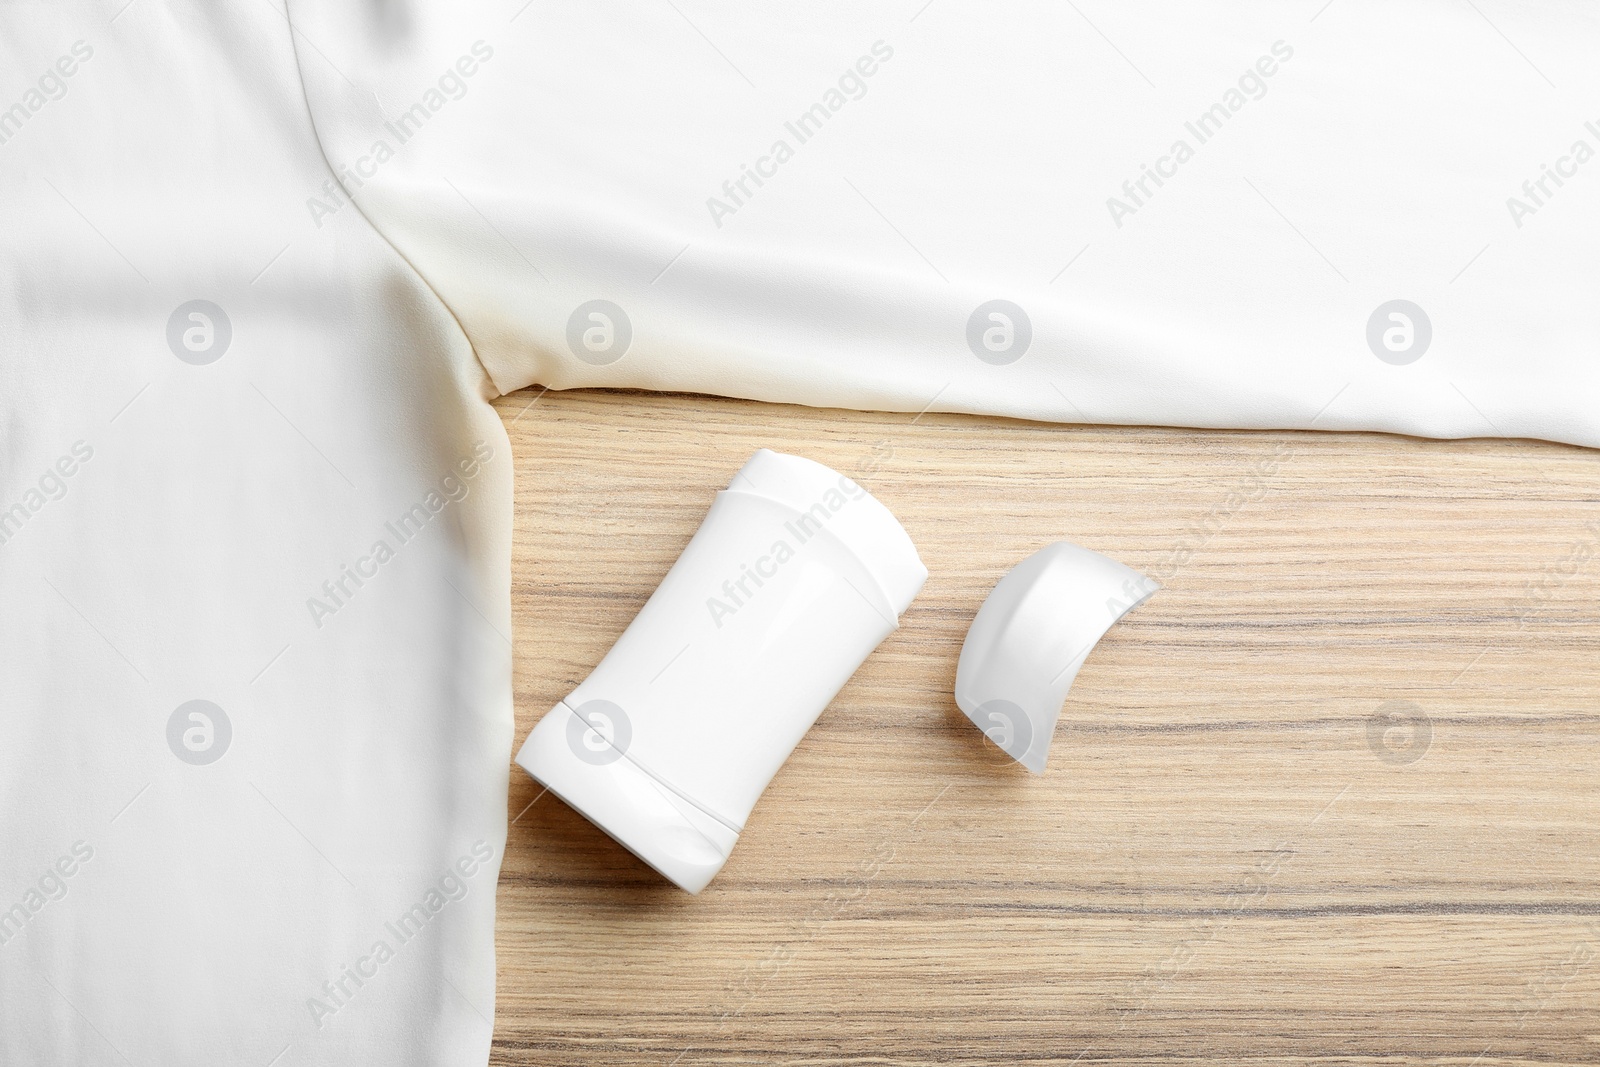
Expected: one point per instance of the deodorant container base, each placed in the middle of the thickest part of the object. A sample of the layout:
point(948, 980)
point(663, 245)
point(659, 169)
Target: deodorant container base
point(794, 577)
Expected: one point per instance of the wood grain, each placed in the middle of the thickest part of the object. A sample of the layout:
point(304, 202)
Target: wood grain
point(1226, 861)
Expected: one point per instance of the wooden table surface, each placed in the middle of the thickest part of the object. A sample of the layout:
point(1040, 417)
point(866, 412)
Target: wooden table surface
point(1328, 797)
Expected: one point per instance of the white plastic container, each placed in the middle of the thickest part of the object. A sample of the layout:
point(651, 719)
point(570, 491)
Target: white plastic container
point(794, 577)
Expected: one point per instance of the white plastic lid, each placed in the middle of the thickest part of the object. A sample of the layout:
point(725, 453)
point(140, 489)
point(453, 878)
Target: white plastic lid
point(1031, 636)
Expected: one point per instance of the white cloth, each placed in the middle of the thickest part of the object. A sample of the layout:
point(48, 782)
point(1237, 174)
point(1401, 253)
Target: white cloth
point(193, 496)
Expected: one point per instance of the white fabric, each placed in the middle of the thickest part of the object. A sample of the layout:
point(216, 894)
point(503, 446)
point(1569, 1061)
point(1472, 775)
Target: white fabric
point(170, 519)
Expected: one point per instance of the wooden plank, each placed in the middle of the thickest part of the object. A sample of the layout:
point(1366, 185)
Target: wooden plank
point(1223, 862)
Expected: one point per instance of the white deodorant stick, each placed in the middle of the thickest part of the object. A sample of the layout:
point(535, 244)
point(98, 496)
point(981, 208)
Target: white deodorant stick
point(795, 576)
